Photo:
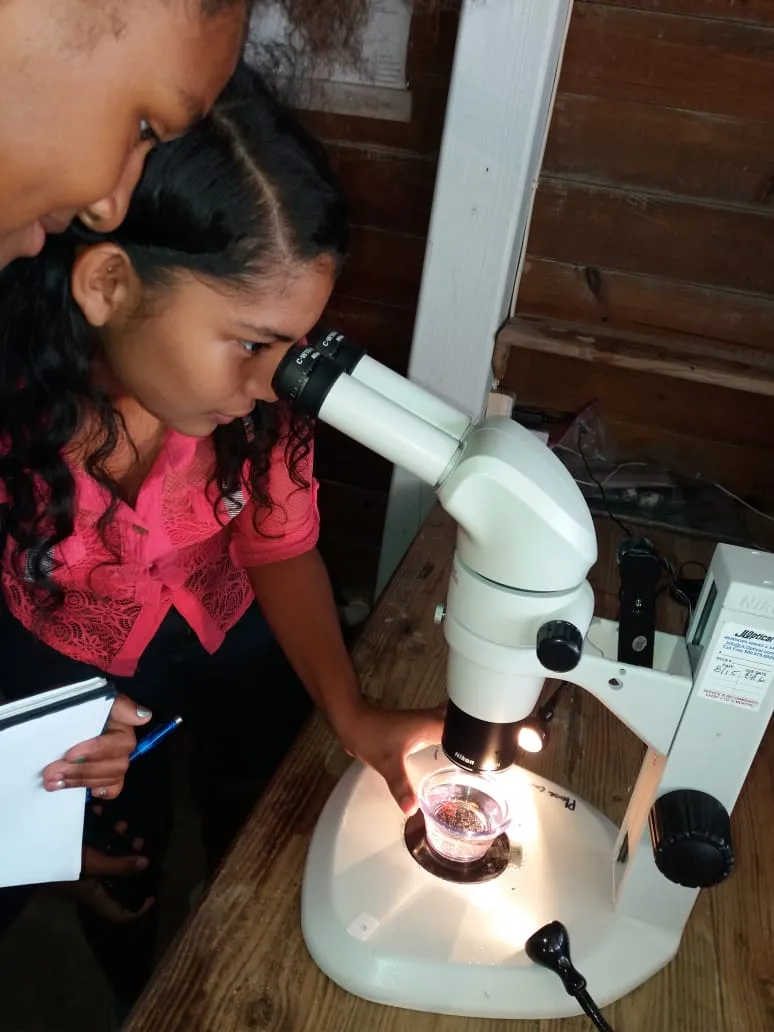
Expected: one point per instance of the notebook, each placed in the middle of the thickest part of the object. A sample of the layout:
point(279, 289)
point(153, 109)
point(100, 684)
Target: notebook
point(41, 832)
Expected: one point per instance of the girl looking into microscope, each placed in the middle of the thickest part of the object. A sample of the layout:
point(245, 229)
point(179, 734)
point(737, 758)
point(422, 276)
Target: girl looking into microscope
point(159, 502)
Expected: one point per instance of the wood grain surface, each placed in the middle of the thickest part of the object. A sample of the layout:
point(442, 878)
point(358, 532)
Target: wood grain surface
point(241, 966)
point(694, 360)
point(699, 64)
point(756, 11)
point(654, 235)
point(630, 301)
point(625, 143)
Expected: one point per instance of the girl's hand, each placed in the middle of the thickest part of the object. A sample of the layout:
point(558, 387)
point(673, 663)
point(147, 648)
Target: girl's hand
point(101, 763)
point(91, 893)
point(383, 739)
point(112, 862)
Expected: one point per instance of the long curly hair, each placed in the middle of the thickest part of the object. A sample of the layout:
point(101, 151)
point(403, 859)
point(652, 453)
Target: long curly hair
point(247, 190)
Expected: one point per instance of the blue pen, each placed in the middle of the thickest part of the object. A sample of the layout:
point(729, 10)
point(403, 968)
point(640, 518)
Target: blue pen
point(152, 740)
point(149, 742)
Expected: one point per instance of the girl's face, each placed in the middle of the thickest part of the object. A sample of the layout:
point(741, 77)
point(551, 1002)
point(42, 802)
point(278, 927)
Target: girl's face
point(202, 355)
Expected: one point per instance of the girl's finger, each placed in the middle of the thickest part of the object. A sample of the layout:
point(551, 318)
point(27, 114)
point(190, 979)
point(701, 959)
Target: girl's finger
point(90, 775)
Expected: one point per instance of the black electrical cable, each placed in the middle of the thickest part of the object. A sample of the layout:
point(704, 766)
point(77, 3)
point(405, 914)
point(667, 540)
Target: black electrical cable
point(546, 711)
point(582, 431)
point(684, 590)
point(591, 1011)
point(549, 947)
point(693, 562)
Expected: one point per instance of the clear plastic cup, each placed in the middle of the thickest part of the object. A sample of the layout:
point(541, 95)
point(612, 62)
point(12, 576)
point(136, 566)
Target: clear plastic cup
point(464, 813)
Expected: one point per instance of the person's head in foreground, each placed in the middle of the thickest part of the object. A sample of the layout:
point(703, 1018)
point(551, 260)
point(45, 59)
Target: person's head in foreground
point(87, 89)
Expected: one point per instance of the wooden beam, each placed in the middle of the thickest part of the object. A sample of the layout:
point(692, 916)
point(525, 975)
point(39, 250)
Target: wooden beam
point(700, 64)
point(625, 143)
point(741, 369)
point(609, 298)
point(561, 386)
point(654, 234)
point(694, 428)
point(758, 12)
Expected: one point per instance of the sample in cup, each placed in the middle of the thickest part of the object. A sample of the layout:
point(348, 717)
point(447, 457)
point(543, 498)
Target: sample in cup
point(464, 813)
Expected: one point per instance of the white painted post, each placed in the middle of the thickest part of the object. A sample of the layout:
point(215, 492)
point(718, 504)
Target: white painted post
point(503, 82)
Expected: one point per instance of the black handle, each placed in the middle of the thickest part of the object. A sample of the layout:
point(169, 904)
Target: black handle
point(550, 948)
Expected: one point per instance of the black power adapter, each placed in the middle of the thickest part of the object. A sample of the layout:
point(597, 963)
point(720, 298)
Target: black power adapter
point(640, 569)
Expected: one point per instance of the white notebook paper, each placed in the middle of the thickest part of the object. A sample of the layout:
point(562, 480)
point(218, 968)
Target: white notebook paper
point(41, 832)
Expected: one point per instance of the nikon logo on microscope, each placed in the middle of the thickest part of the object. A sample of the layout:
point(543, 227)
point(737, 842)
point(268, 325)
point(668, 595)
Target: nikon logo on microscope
point(754, 635)
point(464, 759)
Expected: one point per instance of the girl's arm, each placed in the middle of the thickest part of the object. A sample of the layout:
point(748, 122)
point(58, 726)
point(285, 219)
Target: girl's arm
point(296, 598)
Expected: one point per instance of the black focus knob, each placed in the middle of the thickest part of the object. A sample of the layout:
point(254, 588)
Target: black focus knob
point(691, 836)
point(559, 646)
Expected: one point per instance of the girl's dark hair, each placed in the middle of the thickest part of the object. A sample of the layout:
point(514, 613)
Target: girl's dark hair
point(246, 191)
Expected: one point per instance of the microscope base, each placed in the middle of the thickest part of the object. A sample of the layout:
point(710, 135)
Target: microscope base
point(385, 929)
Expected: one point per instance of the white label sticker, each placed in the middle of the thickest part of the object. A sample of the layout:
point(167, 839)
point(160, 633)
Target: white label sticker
point(363, 927)
point(740, 671)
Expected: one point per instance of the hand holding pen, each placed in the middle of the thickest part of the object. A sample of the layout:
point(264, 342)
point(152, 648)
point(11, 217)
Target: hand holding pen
point(150, 741)
point(100, 763)
point(116, 871)
point(117, 874)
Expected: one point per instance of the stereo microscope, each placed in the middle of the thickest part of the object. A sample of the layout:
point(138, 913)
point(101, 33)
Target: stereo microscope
point(464, 907)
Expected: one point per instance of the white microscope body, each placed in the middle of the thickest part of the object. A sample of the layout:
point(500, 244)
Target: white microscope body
point(519, 610)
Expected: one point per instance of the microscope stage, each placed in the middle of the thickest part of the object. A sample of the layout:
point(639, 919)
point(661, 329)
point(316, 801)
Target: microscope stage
point(387, 930)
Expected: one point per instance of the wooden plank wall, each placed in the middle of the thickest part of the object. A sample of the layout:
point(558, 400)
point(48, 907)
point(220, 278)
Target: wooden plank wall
point(388, 171)
point(655, 215)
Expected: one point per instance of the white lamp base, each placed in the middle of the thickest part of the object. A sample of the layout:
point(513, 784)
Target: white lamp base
point(385, 929)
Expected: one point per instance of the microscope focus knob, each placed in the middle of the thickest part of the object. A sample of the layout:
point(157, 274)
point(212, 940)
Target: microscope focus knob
point(559, 645)
point(691, 836)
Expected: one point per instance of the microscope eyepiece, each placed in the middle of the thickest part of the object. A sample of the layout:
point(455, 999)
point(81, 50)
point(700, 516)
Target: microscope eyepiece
point(304, 378)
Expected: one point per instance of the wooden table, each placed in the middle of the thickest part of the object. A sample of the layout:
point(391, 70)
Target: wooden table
point(240, 964)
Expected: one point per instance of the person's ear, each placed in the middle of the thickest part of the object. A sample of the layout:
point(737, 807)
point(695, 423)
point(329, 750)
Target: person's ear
point(104, 283)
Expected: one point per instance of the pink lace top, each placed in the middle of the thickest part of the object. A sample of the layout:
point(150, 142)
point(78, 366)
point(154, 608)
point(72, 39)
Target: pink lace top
point(172, 551)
